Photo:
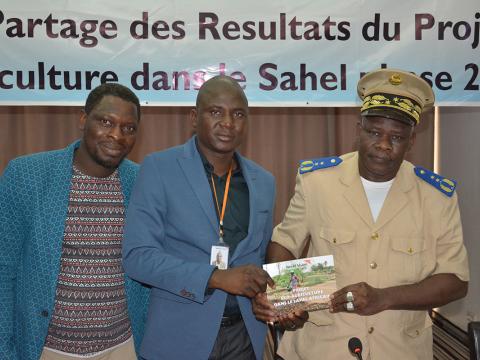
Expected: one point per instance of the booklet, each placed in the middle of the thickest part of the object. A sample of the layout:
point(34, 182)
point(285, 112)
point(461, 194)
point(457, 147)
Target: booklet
point(302, 284)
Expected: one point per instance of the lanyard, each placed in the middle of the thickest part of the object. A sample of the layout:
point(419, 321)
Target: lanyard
point(225, 199)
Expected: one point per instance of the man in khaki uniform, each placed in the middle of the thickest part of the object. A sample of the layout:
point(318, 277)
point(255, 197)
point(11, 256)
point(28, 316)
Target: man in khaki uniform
point(394, 230)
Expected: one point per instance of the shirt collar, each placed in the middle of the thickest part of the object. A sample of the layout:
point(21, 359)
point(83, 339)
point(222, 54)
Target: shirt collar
point(209, 167)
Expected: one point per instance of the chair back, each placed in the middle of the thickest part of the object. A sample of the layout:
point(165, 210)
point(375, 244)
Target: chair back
point(474, 339)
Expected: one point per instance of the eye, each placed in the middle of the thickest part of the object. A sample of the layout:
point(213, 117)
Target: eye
point(106, 122)
point(130, 130)
point(239, 114)
point(397, 138)
point(373, 133)
point(215, 112)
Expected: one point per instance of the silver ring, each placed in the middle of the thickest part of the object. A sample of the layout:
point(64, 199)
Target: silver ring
point(350, 306)
point(350, 297)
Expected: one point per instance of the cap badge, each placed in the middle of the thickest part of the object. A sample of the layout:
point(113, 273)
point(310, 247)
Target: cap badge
point(395, 79)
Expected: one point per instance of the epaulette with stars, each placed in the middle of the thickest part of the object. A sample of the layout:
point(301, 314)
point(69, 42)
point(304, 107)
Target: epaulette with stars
point(320, 163)
point(439, 182)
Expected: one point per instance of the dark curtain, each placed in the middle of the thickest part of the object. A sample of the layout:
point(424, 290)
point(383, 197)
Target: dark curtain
point(278, 138)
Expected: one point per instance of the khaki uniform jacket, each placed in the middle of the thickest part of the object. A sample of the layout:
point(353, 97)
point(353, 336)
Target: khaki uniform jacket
point(418, 233)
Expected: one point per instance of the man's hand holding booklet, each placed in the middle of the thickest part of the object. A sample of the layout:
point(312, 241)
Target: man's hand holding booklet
point(301, 284)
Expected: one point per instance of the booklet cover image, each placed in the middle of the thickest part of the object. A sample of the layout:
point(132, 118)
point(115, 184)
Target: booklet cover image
point(302, 284)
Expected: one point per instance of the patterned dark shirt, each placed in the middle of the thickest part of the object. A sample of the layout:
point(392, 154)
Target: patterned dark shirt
point(90, 313)
point(237, 214)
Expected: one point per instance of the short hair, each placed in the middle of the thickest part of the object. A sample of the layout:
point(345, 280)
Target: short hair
point(113, 89)
point(213, 82)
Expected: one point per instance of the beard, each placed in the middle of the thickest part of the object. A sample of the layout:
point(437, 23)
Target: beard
point(106, 162)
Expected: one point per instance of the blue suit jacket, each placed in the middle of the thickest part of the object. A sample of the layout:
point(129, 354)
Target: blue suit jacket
point(34, 195)
point(171, 226)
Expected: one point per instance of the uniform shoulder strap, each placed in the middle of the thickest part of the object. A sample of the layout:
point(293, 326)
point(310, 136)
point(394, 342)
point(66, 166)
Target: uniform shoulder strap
point(444, 185)
point(319, 163)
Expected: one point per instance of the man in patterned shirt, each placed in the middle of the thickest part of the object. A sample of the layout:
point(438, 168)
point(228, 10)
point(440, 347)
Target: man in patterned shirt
point(63, 292)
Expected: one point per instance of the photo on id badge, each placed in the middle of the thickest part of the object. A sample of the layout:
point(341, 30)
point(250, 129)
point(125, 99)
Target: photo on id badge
point(219, 257)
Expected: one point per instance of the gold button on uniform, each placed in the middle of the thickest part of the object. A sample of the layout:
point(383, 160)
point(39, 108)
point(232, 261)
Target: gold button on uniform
point(374, 236)
point(373, 265)
point(370, 329)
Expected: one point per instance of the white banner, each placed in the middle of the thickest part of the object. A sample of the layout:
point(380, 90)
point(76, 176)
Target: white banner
point(284, 53)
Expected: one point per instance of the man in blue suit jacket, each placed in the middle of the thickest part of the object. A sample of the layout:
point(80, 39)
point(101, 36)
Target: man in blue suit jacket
point(35, 203)
point(198, 311)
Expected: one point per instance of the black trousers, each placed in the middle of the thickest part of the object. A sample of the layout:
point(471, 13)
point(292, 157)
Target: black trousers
point(233, 343)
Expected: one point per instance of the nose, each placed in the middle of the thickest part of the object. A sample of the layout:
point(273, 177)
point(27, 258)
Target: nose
point(384, 143)
point(115, 132)
point(227, 121)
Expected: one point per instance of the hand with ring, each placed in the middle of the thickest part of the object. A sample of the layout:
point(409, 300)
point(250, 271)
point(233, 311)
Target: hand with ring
point(343, 300)
point(359, 298)
point(293, 321)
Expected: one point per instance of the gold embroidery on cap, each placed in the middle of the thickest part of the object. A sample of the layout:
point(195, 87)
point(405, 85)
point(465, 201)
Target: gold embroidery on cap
point(391, 101)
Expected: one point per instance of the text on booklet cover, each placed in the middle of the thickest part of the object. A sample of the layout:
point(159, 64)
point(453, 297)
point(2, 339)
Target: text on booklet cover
point(301, 284)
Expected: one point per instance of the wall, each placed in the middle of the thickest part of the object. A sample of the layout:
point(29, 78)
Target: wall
point(460, 159)
point(278, 138)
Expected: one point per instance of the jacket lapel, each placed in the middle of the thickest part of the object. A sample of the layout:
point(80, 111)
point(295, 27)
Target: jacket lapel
point(192, 167)
point(250, 243)
point(56, 204)
point(355, 193)
point(396, 198)
point(127, 176)
point(395, 201)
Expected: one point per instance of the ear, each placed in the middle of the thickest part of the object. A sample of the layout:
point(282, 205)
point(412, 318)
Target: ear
point(413, 137)
point(82, 121)
point(358, 129)
point(194, 118)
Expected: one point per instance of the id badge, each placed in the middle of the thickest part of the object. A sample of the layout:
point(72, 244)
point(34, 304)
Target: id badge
point(219, 256)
